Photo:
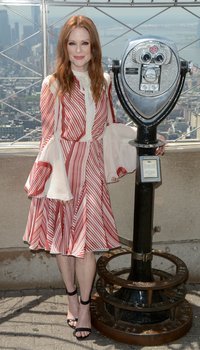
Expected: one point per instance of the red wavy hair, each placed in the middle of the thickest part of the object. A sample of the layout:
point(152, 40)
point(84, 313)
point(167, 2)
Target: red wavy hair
point(63, 71)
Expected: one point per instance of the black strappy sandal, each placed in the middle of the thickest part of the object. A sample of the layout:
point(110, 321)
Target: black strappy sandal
point(70, 320)
point(83, 329)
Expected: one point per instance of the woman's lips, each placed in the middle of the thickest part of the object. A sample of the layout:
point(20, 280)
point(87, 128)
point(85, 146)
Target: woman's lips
point(78, 57)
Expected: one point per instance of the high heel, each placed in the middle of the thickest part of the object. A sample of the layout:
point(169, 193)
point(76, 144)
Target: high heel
point(70, 320)
point(83, 329)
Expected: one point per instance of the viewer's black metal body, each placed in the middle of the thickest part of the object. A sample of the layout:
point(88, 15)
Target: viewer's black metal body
point(144, 308)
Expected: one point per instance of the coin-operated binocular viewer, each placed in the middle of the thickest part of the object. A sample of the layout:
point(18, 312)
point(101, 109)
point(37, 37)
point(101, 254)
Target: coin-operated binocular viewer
point(142, 305)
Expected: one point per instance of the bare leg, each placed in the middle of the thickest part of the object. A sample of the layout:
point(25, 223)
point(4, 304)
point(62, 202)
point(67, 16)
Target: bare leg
point(85, 271)
point(66, 266)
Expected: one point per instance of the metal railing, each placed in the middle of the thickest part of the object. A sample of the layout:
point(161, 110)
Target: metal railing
point(21, 79)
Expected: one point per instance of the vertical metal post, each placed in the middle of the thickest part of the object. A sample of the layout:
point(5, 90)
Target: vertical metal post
point(43, 10)
point(141, 269)
point(144, 208)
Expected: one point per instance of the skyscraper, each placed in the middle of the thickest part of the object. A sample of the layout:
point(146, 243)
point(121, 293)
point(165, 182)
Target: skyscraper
point(5, 30)
point(15, 33)
point(35, 15)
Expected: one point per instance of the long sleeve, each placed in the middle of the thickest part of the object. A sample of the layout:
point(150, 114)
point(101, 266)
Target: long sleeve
point(47, 108)
point(111, 113)
point(48, 175)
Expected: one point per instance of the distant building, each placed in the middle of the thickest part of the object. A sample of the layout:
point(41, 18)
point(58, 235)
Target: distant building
point(5, 39)
point(195, 123)
point(11, 132)
point(27, 31)
point(35, 14)
point(15, 33)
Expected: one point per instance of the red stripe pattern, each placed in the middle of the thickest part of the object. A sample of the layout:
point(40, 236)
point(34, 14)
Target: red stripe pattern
point(85, 223)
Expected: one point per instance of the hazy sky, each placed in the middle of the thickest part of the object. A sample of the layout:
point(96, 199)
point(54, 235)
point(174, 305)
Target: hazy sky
point(115, 22)
point(135, 15)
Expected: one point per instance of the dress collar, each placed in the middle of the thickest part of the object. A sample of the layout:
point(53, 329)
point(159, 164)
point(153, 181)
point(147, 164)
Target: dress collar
point(83, 78)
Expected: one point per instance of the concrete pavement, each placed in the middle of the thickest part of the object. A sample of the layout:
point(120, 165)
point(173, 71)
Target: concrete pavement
point(36, 320)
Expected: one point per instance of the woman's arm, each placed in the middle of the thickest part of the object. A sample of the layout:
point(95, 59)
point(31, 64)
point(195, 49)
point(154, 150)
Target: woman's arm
point(111, 113)
point(47, 108)
point(161, 149)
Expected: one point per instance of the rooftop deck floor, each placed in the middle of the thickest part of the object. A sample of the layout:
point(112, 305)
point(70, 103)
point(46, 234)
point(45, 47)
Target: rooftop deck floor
point(36, 319)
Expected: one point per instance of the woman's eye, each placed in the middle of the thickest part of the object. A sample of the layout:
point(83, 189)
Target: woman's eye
point(84, 43)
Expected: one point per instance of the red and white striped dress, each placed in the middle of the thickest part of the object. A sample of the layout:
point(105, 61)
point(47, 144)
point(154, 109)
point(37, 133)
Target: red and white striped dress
point(86, 222)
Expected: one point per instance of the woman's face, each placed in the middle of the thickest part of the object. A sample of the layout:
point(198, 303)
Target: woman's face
point(79, 49)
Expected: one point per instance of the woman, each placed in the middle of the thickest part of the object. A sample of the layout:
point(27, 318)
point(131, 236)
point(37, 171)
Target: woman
point(74, 229)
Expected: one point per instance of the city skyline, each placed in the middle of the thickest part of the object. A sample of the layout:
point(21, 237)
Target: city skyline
point(23, 67)
point(110, 29)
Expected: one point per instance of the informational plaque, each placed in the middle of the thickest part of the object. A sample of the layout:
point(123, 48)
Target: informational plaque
point(150, 169)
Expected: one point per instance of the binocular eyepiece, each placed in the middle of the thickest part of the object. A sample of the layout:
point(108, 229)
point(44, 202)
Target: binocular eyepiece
point(152, 77)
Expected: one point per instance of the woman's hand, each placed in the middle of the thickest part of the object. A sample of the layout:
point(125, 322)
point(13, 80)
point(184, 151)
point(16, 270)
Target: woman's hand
point(161, 149)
